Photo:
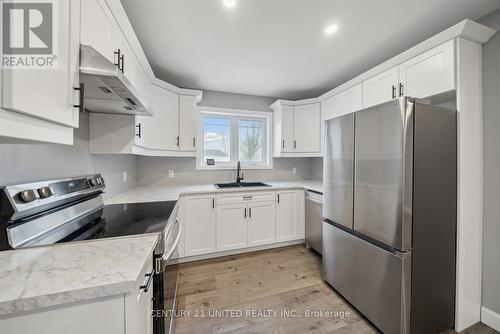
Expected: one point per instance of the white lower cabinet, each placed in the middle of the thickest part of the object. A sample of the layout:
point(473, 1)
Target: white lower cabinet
point(231, 226)
point(105, 315)
point(138, 304)
point(245, 225)
point(239, 220)
point(261, 227)
point(290, 215)
point(199, 224)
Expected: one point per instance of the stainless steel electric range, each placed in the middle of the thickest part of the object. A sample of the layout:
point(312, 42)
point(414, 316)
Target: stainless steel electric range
point(72, 209)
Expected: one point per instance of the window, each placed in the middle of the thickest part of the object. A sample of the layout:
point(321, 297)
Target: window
point(217, 138)
point(230, 136)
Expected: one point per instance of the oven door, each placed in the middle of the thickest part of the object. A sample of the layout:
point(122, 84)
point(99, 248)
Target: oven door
point(167, 281)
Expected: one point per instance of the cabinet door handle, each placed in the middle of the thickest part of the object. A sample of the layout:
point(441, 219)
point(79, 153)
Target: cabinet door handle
point(294, 144)
point(401, 89)
point(247, 197)
point(213, 203)
point(250, 212)
point(139, 133)
point(81, 97)
point(118, 56)
point(178, 141)
point(278, 198)
point(283, 144)
point(393, 92)
point(245, 215)
point(122, 61)
point(194, 141)
point(146, 286)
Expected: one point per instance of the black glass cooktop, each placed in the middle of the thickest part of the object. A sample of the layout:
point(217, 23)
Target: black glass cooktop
point(120, 220)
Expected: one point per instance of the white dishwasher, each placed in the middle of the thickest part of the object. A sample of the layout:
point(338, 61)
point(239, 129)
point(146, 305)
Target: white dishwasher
point(314, 220)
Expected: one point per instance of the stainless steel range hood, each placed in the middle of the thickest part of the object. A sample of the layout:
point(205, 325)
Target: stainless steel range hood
point(106, 89)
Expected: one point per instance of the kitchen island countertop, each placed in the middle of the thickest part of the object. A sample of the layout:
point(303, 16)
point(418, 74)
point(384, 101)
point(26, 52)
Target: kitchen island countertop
point(38, 277)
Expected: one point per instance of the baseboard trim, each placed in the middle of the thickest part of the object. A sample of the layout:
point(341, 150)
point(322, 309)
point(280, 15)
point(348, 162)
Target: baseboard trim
point(239, 251)
point(490, 318)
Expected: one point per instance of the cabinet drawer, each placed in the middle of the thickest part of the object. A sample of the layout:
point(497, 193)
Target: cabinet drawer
point(246, 197)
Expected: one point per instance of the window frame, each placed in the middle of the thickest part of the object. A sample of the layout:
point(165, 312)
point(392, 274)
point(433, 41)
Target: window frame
point(235, 115)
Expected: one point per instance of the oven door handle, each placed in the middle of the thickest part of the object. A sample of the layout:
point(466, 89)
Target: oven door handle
point(167, 256)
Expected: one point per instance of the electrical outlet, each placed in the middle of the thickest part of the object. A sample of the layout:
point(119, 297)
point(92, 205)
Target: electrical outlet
point(294, 170)
point(171, 173)
point(125, 177)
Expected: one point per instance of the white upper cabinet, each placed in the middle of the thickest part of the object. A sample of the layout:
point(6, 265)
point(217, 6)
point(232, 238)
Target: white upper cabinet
point(187, 123)
point(430, 73)
point(97, 29)
point(161, 131)
point(381, 88)
point(131, 67)
point(346, 102)
point(157, 135)
point(50, 93)
point(287, 121)
point(307, 128)
point(297, 129)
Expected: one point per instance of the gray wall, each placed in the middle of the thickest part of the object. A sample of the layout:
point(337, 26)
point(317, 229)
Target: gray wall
point(236, 101)
point(317, 169)
point(491, 195)
point(31, 162)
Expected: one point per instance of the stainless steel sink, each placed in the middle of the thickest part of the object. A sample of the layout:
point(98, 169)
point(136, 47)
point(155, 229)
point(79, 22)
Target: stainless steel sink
point(240, 185)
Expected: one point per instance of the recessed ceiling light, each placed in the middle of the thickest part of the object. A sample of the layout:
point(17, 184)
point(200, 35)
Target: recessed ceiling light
point(229, 3)
point(331, 29)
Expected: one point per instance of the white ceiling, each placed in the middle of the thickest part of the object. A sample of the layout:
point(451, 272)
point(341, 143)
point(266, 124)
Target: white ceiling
point(278, 47)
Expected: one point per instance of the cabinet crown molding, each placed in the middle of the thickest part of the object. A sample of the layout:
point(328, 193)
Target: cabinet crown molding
point(466, 29)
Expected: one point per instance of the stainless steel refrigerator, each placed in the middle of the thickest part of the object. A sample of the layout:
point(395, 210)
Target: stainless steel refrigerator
point(390, 200)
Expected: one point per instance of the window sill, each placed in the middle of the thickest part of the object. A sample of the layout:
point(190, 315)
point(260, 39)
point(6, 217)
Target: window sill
point(232, 168)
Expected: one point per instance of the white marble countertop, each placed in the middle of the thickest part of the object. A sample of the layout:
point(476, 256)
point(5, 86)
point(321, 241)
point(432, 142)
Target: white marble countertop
point(39, 277)
point(172, 193)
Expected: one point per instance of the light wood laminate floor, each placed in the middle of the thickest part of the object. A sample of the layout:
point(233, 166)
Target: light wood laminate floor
point(239, 294)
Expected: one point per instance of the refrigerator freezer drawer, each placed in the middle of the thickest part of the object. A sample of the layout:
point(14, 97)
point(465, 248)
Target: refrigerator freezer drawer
point(375, 281)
